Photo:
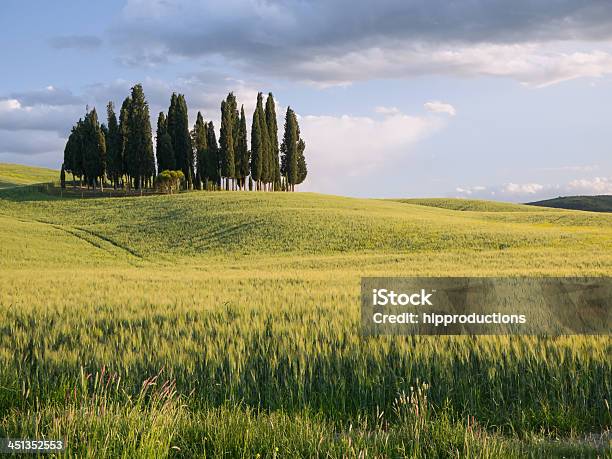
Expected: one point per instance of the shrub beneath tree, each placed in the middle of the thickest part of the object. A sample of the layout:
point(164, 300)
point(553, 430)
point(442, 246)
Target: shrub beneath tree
point(169, 181)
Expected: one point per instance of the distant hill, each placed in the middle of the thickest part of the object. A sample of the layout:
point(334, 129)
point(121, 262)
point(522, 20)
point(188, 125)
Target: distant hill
point(468, 205)
point(16, 174)
point(601, 203)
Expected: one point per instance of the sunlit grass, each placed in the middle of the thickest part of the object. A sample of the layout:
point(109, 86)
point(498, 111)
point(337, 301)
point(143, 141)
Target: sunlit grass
point(17, 174)
point(249, 304)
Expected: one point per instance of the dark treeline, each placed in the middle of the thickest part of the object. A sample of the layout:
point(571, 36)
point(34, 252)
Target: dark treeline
point(121, 150)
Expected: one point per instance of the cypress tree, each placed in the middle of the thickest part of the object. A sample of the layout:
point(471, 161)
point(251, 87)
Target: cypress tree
point(139, 146)
point(63, 177)
point(223, 151)
point(114, 150)
point(256, 146)
point(266, 176)
point(178, 128)
point(71, 150)
point(94, 150)
point(105, 134)
point(272, 125)
point(189, 150)
point(124, 131)
point(242, 151)
point(236, 136)
point(289, 149)
point(213, 163)
point(226, 139)
point(165, 152)
point(171, 120)
point(200, 143)
point(80, 149)
point(302, 169)
point(165, 147)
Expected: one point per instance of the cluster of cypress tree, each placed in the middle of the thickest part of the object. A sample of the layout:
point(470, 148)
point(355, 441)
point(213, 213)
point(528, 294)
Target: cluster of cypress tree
point(85, 152)
point(122, 150)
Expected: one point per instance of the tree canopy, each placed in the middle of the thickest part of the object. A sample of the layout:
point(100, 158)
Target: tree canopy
point(121, 151)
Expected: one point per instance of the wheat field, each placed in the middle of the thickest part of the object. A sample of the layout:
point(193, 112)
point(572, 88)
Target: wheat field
point(220, 324)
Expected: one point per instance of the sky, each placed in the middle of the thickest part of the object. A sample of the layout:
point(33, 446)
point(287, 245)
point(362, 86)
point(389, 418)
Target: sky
point(486, 99)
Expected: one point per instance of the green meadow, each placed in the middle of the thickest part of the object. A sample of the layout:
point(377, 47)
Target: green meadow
point(226, 324)
point(12, 175)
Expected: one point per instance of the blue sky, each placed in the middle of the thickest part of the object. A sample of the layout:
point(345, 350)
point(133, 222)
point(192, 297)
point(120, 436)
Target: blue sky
point(484, 99)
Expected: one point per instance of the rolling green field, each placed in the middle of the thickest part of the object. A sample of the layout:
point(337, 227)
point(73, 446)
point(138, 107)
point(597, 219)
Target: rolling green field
point(226, 324)
point(15, 175)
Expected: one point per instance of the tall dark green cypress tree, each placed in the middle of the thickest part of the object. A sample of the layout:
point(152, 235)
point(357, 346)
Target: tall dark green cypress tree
point(124, 130)
point(164, 149)
point(63, 177)
point(256, 147)
point(272, 125)
point(213, 164)
point(139, 145)
point(114, 150)
point(190, 150)
point(70, 152)
point(242, 150)
point(266, 176)
point(302, 169)
point(289, 149)
point(171, 121)
point(105, 134)
point(226, 139)
point(178, 128)
point(236, 136)
point(200, 143)
point(79, 132)
point(94, 150)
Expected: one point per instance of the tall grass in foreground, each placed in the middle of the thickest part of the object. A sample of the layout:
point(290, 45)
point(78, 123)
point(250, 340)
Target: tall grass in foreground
point(100, 420)
point(248, 381)
point(264, 351)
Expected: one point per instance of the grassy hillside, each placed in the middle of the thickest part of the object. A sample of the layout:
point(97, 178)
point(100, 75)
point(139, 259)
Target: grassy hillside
point(471, 205)
point(248, 303)
point(591, 203)
point(16, 174)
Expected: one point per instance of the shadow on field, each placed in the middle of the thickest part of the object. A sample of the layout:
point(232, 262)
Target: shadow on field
point(50, 191)
point(21, 193)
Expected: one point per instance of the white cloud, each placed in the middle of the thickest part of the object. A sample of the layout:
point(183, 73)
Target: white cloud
point(36, 122)
point(36, 129)
point(359, 145)
point(532, 64)
point(30, 142)
point(470, 190)
point(524, 192)
point(9, 105)
point(597, 185)
point(522, 189)
point(50, 95)
point(16, 116)
point(435, 106)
